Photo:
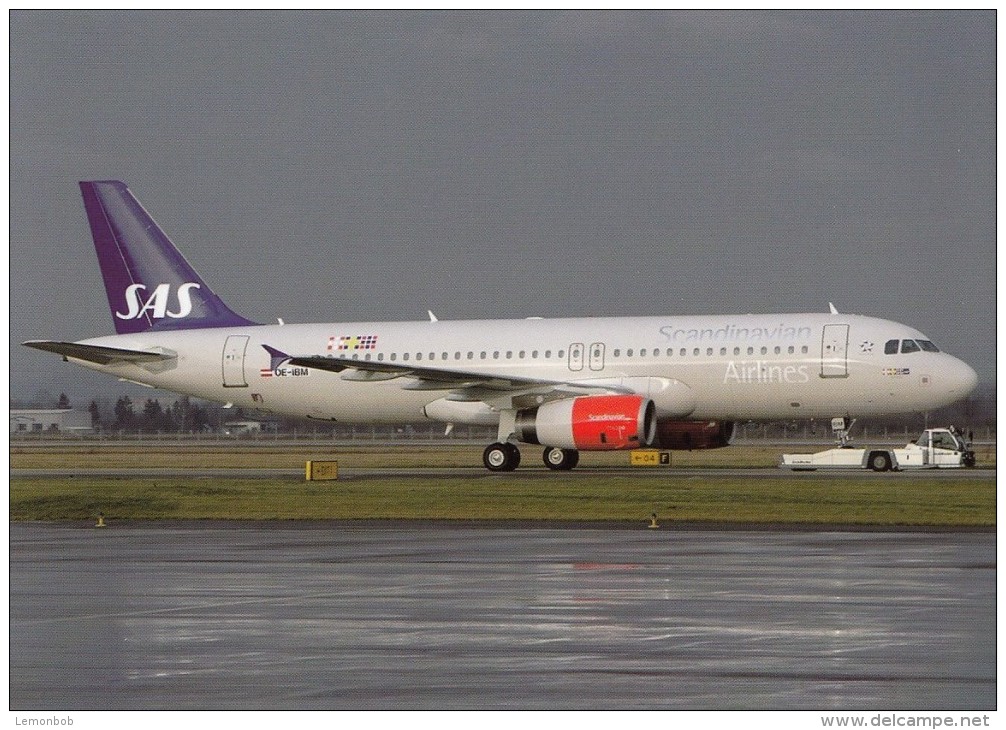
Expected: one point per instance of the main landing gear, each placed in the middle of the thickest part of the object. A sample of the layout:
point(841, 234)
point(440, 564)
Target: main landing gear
point(506, 457)
point(501, 457)
point(560, 459)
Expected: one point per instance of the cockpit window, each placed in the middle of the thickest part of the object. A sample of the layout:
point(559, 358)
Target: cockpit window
point(891, 346)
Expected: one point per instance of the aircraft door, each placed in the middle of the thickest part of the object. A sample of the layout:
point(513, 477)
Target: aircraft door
point(576, 357)
point(597, 356)
point(234, 361)
point(834, 351)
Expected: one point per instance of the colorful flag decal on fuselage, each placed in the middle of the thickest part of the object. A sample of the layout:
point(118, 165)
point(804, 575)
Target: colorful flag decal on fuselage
point(352, 342)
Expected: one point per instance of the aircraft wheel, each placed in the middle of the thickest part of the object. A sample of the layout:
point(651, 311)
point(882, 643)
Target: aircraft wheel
point(514, 456)
point(501, 457)
point(880, 461)
point(560, 459)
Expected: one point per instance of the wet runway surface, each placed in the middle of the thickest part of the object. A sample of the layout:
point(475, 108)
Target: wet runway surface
point(383, 616)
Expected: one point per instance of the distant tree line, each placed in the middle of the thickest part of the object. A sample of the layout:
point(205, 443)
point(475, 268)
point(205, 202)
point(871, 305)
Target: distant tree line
point(186, 415)
point(182, 416)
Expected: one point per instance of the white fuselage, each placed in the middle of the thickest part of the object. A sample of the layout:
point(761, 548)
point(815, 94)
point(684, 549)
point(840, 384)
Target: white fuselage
point(703, 367)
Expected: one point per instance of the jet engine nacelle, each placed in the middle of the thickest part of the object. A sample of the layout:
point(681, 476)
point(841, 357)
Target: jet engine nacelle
point(590, 423)
point(694, 435)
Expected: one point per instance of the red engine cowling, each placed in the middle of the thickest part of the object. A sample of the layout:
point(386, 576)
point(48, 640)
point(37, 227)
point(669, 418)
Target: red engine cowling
point(694, 435)
point(590, 423)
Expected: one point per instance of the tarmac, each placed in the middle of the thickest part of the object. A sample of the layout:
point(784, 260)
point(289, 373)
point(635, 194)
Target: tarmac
point(340, 616)
point(536, 472)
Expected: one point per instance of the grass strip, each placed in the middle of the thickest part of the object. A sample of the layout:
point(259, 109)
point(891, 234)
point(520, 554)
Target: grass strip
point(882, 500)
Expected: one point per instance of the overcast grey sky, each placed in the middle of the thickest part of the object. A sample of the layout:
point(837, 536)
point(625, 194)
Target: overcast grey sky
point(371, 165)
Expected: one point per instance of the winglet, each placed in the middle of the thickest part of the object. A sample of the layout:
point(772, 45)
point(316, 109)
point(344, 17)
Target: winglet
point(276, 358)
point(832, 308)
point(433, 317)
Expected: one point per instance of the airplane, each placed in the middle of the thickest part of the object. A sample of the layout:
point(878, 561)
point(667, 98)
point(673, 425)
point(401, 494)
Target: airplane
point(567, 385)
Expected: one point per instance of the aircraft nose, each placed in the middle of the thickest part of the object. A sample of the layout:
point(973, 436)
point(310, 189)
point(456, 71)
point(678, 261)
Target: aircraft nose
point(963, 378)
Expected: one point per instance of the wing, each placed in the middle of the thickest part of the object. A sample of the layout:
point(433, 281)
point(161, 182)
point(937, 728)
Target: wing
point(98, 354)
point(500, 391)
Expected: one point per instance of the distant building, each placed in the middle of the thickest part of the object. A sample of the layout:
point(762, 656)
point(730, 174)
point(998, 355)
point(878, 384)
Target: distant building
point(49, 420)
point(241, 428)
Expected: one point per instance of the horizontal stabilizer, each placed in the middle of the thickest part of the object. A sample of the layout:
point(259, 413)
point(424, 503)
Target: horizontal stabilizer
point(97, 353)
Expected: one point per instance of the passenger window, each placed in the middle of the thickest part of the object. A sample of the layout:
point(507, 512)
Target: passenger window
point(419, 356)
point(778, 350)
point(642, 353)
point(750, 351)
point(709, 351)
point(405, 356)
point(764, 351)
point(683, 352)
point(617, 353)
point(804, 350)
point(791, 350)
point(696, 352)
point(908, 346)
point(737, 351)
point(891, 347)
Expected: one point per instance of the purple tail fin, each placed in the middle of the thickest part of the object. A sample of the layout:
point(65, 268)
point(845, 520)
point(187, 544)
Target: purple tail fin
point(149, 283)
